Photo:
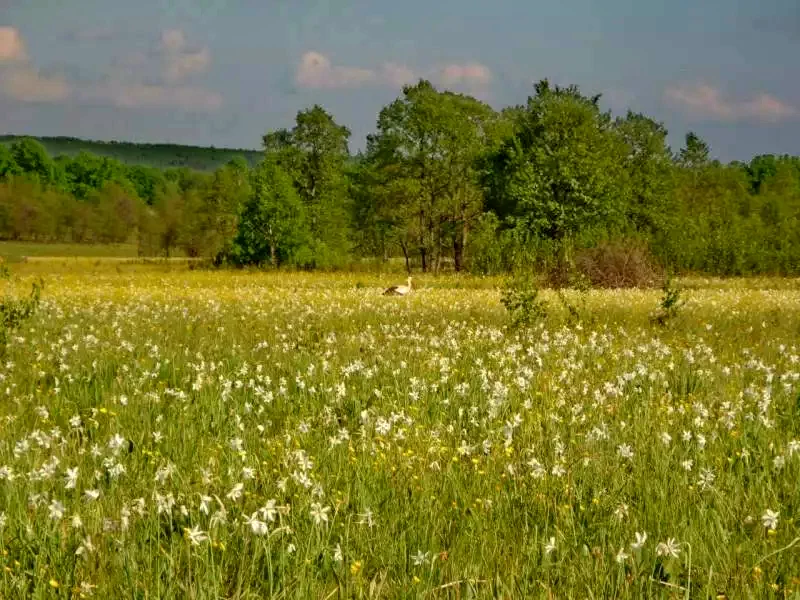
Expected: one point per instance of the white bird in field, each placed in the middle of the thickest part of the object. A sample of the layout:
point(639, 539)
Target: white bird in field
point(399, 290)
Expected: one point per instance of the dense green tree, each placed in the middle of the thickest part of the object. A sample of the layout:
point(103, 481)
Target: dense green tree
point(563, 170)
point(314, 154)
point(648, 169)
point(376, 230)
point(426, 151)
point(760, 169)
point(695, 152)
point(147, 181)
point(273, 226)
point(117, 213)
point(227, 192)
point(211, 210)
point(32, 159)
point(187, 179)
point(87, 173)
point(8, 166)
point(165, 228)
point(443, 178)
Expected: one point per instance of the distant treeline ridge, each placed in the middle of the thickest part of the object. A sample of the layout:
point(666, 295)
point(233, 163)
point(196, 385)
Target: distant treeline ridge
point(445, 181)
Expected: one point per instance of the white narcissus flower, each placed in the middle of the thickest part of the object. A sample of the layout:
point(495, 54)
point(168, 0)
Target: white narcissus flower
point(770, 519)
point(669, 548)
point(236, 492)
point(256, 525)
point(195, 536)
point(550, 546)
point(56, 510)
point(420, 558)
point(641, 538)
point(319, 513)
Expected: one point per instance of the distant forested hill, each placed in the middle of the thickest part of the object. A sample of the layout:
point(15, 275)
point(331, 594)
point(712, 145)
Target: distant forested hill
point(162, 156)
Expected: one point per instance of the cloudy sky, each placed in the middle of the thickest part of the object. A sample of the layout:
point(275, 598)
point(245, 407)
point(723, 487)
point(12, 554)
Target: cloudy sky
point(222, 72)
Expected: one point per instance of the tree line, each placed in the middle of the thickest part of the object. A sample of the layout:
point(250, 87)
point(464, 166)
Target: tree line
point(445, 182)
point(162, 156)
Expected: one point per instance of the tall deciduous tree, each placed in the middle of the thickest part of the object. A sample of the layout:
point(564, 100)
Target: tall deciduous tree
point(8, 166)
point(314, 154)
point(427, 147)
point(147, 181)
point(32, 159)
point(87, 173)
point(649, 169)
point(562, 172)
point(695, 153)
point(273, 224)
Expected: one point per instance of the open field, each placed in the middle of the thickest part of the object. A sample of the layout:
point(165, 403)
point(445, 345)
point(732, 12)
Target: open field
point(169, 433)
point(15, 251)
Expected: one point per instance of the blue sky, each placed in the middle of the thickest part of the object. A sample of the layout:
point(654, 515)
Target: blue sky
point(223, 72)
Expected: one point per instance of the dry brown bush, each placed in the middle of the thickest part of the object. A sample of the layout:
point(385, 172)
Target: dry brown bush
point(620, 264)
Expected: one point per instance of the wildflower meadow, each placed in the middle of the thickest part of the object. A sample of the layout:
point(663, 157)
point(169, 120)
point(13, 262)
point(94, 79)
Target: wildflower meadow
point(176, 433)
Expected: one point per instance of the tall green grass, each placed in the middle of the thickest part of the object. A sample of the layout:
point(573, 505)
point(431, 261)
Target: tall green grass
point(274, 435)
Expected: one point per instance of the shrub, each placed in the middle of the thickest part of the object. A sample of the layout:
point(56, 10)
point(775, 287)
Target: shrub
point(619, 264)
point(13, 311)
point(520, 296)
point(670, 304)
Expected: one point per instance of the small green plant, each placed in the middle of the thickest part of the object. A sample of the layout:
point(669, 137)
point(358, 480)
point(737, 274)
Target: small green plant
point(671, 303)
point(581, 284)
point(520, 296)
point(14, 311)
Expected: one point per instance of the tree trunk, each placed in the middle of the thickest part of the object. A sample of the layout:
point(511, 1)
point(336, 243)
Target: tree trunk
point(437, 262)
point(424, 258)
point(459, 244)
point(273, 257)
point(405, 254)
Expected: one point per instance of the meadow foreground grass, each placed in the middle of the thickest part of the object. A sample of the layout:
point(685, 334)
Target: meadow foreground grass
point(176, 434)
point(16, 251)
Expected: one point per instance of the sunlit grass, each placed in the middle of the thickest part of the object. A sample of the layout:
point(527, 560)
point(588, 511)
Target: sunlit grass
point(15, 251)
point(251, 435)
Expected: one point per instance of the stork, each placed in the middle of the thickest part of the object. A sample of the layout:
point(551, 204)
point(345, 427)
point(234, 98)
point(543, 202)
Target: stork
point(399, 290)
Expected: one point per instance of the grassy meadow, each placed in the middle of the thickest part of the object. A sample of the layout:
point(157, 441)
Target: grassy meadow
point(176, 433)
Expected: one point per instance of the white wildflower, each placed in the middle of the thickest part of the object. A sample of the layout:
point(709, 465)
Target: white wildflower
point(641, 538)
point(550, 546)
point(319, 513)
point(420, 558)
point(770, 519)
point(669, 548)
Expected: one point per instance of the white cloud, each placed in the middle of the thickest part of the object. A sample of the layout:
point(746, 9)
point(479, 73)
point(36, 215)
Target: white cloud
point(317, 71)
point(179, 61)
point(26, 84)
point(702, 100)
point(472, 73)
point(769, 108)
point(125, 88)
point(19, 79)
point(12, 48)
